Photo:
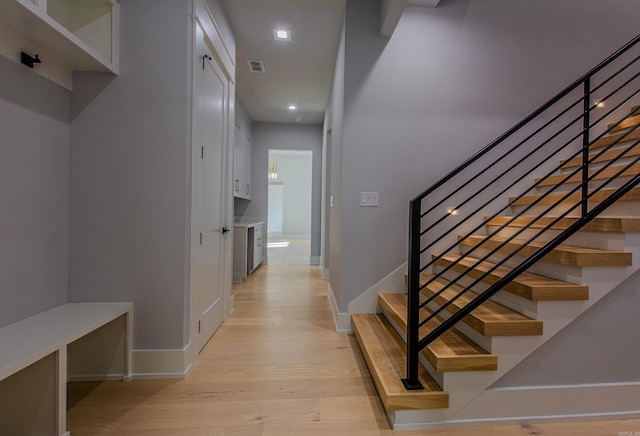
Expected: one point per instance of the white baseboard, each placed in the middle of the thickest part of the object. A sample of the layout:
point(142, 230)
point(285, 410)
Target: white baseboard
point(393, 283)
point(368, 301)
point(341, 320)
point(326, 273)
point(96, 377)
point(152, 364)
point(536, 404)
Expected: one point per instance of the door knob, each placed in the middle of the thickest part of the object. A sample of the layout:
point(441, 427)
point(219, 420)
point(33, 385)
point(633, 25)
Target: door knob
point(225, 230)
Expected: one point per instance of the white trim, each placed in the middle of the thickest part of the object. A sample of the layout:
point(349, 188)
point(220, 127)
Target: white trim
point(156, 364)
point(341, 320)
point(326, 273)
point(535, 404)
point(393, 283)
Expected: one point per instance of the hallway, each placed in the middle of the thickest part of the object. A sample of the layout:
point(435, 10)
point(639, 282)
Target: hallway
point(276, 367)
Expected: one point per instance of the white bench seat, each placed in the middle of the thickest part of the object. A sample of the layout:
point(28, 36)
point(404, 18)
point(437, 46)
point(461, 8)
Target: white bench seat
point(36, 355)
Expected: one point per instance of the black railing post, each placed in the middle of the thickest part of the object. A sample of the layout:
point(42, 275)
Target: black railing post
point(586, 120)
point(412, 382)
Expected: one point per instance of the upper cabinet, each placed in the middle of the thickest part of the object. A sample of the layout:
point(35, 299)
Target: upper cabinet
point(242, 153)
point(242, 164)
point(67, 35)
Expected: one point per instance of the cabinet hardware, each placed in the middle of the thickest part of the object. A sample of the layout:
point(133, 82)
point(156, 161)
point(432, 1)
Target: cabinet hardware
point(200, 238)
point(225, 230)
point(237, 185)
point(204, 57)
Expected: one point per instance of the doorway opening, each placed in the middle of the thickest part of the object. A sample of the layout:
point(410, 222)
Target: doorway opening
point(289, 207)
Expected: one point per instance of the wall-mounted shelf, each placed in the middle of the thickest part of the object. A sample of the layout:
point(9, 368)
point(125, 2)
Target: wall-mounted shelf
point(67, 35)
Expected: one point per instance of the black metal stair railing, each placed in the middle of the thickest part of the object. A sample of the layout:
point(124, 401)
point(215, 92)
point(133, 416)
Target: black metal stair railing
point(571, 126)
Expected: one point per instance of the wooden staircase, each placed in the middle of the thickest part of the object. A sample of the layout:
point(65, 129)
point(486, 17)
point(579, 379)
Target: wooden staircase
point(460, 365)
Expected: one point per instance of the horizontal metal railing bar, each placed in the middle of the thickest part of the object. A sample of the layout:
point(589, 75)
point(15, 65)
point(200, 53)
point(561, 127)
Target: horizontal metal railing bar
point(513, 149)
point(511, 238)
point(588, 177)
point(533, 115)
point(613, 76)
point(504, 190)
point(493, 289)
point(433, 260)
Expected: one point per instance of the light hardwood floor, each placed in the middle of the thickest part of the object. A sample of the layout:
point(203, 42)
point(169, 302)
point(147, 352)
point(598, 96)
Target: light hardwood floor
point(276, 367)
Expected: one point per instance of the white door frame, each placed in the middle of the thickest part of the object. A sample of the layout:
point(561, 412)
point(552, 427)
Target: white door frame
point(203, 17)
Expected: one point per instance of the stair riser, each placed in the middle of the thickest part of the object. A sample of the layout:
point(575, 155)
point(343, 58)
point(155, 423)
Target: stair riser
point(594, 184)
point(600, 240)
point(519, 304)
point(621, 208)
point(562, 258)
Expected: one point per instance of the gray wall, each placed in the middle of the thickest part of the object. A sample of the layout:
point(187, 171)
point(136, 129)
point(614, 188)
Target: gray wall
point(333, 207)
point(599, 347)
point(449, 81)
point(130, 179)
point(285, 137)
point(34, 193)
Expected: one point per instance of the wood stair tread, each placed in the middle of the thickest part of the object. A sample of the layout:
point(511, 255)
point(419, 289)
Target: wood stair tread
point(611, 154)
point(562, 254)
point(625, 124)
point(606, 173)
point(489, 319)
point(599, 224)
point(452, 351)
point(632, 195)
point(527, 285)
point(386, 360)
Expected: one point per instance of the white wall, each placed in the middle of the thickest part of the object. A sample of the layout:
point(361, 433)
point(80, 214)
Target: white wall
point(268, 136)
point(333, 210)
point(34, 193)
point(449, 80)
point(130, 179)
point(295, 173)
point(598, 347)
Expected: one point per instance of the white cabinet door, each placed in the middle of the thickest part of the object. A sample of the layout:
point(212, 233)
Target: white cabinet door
point(242, 164)
point(258, 243)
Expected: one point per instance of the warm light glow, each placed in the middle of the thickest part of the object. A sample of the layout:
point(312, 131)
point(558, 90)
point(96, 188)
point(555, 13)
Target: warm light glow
point(282, 34)
point(273, 171)
point(452, 210)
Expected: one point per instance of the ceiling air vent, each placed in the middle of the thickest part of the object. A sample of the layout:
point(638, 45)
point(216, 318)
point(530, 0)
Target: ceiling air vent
point(256, 66)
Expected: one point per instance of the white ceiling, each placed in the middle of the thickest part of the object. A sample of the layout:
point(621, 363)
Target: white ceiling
point(299, 71)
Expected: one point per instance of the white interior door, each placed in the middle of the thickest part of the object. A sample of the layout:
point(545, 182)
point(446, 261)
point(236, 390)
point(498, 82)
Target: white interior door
point(211, 90)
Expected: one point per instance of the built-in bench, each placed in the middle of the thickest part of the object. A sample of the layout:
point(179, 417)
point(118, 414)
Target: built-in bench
point(38, 355)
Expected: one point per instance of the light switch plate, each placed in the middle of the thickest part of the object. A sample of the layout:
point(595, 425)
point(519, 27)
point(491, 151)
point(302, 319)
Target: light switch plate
point(369, 199)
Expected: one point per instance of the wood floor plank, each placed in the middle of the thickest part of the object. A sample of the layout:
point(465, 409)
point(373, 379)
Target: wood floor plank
point(453, 351)
point(599, 224)
point(527, 285)
point(595, 174)
point(563, 254)
point(194, 406)
point(489, 319)
point(632, 195)
point(625, 124)
point(611, 154)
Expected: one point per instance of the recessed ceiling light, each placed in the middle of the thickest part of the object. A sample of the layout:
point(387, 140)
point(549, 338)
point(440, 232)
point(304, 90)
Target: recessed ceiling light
point(282, 34)
point(292, 107)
